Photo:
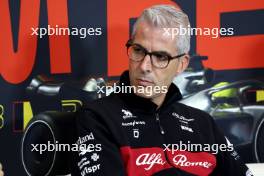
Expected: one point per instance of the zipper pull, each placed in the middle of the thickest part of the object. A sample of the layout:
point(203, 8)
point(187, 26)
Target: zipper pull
point(160, 127)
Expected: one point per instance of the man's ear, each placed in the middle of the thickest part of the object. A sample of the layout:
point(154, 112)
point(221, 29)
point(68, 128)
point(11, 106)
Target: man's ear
point(183, 63)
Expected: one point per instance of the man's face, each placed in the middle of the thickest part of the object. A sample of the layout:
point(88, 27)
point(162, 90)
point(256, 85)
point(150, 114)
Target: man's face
point(143, 73)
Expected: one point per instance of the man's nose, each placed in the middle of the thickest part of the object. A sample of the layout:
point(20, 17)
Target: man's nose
point(145, 64)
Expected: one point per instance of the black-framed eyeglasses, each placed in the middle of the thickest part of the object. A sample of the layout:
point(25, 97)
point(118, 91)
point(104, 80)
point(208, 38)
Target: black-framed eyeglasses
point(159, 59)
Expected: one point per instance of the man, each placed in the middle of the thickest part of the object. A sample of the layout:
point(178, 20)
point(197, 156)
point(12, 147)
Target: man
point(136, 133)
point(1, 170)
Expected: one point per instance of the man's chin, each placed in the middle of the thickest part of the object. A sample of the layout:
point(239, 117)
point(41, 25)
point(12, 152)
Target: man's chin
point(145, 95)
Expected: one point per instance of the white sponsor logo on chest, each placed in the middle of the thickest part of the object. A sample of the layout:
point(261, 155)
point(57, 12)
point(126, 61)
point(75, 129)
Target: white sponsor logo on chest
point(149, 160)
point(127, 114)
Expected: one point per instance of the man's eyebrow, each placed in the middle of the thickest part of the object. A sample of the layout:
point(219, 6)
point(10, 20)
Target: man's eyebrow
point(139, 45)
point(159, 51)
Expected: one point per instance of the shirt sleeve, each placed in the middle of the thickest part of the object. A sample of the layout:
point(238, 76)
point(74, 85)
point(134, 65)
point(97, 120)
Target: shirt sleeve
point(229, 163)
point(98, 153)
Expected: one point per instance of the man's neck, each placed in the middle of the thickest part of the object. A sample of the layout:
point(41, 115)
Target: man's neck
point(159, 100)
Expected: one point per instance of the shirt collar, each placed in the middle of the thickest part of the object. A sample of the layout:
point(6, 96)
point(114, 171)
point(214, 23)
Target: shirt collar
point(145, 104)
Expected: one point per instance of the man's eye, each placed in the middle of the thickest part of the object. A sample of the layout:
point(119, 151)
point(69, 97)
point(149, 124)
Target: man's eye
point(138, 50)
point(161, 57)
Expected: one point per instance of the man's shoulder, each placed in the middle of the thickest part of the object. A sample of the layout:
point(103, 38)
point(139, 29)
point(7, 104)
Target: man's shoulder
point(104, 102)
point(103, 107)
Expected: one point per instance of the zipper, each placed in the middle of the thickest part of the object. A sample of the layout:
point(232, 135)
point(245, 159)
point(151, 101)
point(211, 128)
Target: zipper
point(160, 126)
point(163, 132)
